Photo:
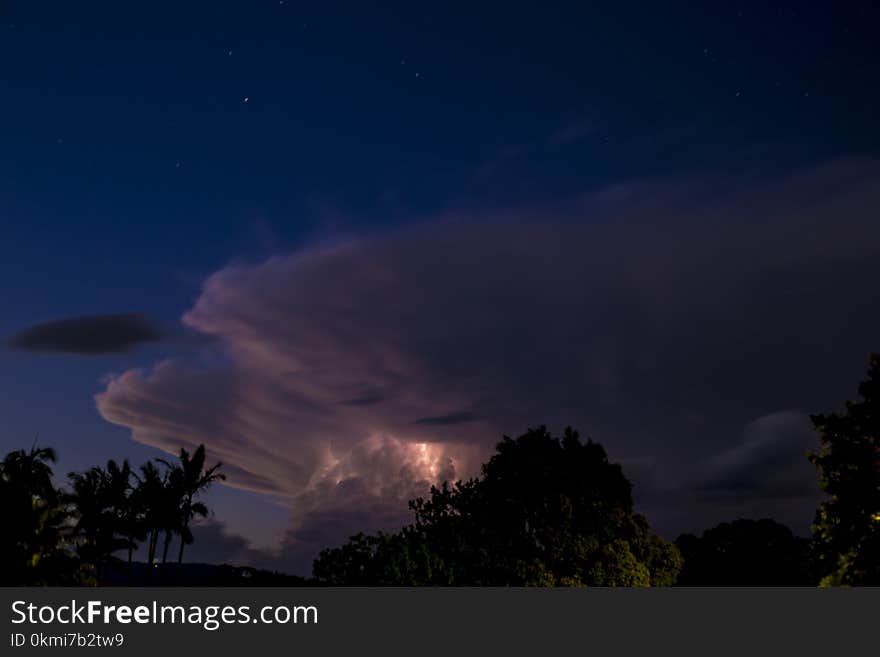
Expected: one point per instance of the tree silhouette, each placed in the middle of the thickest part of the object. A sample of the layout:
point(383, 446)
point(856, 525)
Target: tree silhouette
point(33, 544)
point(545, 511)
point(383, 559)
point(102, 501)
point(130, 507)
point(846, 532)
point(187, 480)
point(94, 527)
point(152, 491)
point(53, 536)
point(745, 553)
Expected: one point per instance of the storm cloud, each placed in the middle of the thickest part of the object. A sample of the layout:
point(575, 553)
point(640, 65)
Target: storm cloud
point(689, 337)
point(88, 334)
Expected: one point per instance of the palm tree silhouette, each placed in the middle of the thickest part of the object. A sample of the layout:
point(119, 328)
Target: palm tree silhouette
point(102, 502)
point(31, 471)
point(92, 529)
point(131, 508)
point(158, 508)
point(33, 544)
point(188, 480)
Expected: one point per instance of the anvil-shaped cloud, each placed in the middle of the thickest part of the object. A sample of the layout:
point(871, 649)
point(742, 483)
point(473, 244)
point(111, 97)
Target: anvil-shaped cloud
point(659, 319)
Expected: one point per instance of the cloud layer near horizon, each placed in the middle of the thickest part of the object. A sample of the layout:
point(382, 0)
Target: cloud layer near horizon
point(687, 326)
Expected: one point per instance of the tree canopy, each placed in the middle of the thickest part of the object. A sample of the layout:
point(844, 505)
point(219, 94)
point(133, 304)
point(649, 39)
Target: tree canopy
point(545, 511)
point(55, 536)
point(745, 553)
point(846, 532)
point(33, 545)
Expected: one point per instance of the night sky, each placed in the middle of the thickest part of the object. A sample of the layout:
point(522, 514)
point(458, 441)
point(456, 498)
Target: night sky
point(348, 246)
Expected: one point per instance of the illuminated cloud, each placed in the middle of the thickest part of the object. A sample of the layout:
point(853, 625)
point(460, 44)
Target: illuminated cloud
point(345, 379)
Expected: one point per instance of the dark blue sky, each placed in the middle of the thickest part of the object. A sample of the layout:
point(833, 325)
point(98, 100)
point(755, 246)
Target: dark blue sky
point(147, 145)
point(131, 158)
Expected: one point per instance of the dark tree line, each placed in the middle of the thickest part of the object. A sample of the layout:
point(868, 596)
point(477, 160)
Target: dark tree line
point(746, 553)
point(547, 511)
point(72, 535)
point(544, 511)
point(846, 533)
